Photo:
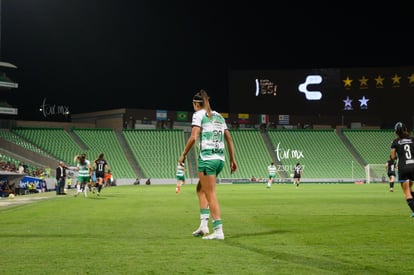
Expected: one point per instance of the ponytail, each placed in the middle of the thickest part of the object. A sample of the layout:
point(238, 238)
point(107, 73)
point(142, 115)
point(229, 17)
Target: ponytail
point(206, 102)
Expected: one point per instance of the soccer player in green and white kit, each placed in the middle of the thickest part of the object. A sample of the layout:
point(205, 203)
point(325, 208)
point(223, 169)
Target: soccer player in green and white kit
point(271, 169)
point(180, 175)
point(211, 128)
point(84, 174)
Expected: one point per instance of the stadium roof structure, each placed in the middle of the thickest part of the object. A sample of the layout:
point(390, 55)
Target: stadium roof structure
point(5, 81)
point(7, 65)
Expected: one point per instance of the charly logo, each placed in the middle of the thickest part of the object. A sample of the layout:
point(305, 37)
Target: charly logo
point(50, 110)
point(311, 94)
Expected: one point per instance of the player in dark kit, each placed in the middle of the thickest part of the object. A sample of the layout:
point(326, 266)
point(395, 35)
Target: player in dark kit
point(403, 148)
point(390, 167)
point(99, 166)
point(297, 174)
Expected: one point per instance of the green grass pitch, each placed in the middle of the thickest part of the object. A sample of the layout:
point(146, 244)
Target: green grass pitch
point(315, 229)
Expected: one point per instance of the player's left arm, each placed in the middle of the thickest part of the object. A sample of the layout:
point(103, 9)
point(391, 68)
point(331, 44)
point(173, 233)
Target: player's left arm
point(230, 147)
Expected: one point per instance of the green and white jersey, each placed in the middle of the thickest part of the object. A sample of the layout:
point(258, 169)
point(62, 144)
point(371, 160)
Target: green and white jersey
point(180, 174)
point(212, 134)
point(272, 170)
point(84, 169)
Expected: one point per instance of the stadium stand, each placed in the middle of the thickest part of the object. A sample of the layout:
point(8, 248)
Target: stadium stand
point(252, 155)
point(326, 154)
point(156, 151)
point(321, 153)
point(18, 140)
point(9, 163)
point(105, 141)
point(367, 142)
point(55, 141)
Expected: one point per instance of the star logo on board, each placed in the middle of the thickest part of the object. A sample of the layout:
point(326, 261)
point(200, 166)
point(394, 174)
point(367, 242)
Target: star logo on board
point(379, 81)
point(347, 104)
point(396, 80)
point(363, 82)
point(347, 82)
point(363, 103)
point(411, 80)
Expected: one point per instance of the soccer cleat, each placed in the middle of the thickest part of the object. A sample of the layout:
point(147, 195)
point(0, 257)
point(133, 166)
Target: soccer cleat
point(412, 215)
point(201, 232)
point(215, 236)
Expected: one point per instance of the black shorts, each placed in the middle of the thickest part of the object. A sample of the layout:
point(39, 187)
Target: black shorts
point(99, 175)
point(405, 174)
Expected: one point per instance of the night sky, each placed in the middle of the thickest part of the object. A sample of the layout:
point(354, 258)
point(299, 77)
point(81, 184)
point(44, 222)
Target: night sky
point(92, 55)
